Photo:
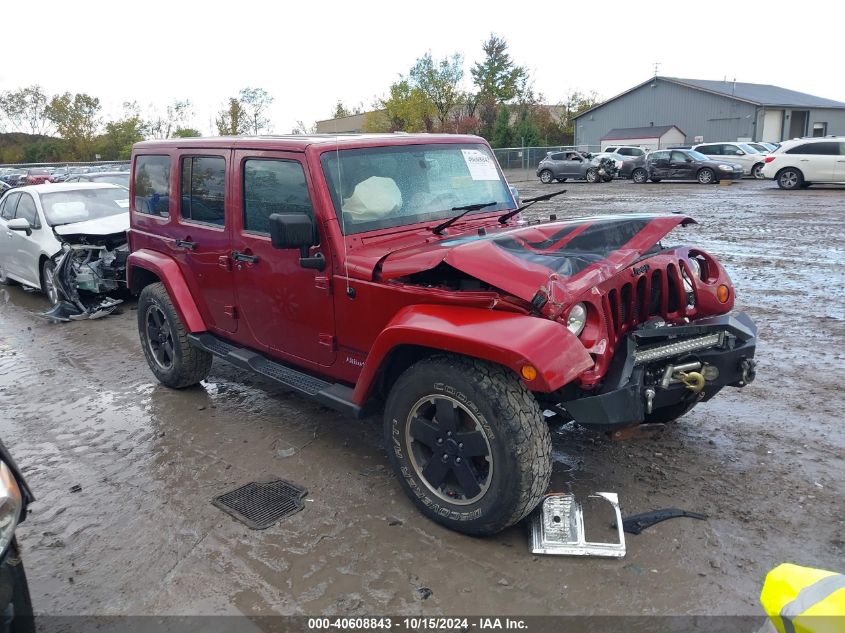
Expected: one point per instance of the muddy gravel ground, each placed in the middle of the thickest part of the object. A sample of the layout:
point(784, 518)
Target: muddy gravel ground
point(80, 409)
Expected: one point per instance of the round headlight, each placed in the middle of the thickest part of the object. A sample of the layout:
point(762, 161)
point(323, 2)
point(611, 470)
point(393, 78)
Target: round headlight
point(10, 506)
point(577, 318)
point(695, 267)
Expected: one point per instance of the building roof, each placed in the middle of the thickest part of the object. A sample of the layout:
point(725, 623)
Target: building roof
point(650, 131)
point(755, 94)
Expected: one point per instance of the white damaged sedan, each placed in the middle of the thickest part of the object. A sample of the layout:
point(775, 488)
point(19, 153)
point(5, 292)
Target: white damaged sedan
point(65, 238)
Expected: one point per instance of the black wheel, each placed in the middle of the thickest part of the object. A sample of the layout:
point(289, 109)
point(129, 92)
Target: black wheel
point(4, 278)
point(669, 414)
point(468, 443)
point(164, 339)
point(757, 171)
point(655, 179)
point(561, 179)
point(639, 176)
point(706, 176)
point(48, 283)
point(592, 175)
point(546, 177)
point(790, 178)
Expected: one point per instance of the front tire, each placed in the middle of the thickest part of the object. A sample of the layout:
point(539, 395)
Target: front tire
point(706, 176)
point(468, 443)
point(174, 361)
point(639, 176)
point(790, 178)
point(48, 282)
point(592, 175)
point(546, 177)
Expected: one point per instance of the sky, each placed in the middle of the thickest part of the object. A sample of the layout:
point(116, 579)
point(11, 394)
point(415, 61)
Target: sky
point(308, 55)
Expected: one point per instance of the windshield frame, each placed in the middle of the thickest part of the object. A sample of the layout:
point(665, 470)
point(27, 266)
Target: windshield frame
point(401, 222)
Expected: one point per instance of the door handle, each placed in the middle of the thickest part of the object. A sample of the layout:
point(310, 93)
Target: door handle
point(243, 257)
point(186, 244)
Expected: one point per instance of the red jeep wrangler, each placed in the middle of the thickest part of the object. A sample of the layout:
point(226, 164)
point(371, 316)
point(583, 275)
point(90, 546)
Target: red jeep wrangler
point(396, 271)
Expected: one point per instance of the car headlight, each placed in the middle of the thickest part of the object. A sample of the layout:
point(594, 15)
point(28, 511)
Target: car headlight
point(695, 267)
point(10, 506)
point(577, 318)
point(726, 167)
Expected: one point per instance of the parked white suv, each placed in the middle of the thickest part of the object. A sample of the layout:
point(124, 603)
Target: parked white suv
point(741, 153)
point(628, 151)
point(802, 162)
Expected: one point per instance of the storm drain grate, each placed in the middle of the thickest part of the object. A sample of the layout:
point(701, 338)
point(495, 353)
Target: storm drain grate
point(260, 505)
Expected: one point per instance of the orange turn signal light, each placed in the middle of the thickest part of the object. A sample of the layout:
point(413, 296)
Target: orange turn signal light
point(529, 372)
point(722, 293)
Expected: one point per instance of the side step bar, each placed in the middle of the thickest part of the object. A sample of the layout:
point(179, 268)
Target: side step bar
point(333, 395)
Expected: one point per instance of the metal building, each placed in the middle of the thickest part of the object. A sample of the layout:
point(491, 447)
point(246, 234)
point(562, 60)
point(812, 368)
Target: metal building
point(713, 111)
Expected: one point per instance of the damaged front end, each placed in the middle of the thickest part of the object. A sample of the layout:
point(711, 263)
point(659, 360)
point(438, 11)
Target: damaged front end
point(87, 268)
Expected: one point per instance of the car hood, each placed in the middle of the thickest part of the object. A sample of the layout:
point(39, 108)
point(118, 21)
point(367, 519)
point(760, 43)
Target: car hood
point(561, 259)
point(101, 226)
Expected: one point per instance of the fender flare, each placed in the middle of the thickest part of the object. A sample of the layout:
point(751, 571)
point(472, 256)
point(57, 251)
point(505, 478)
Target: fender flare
point(506, 338)
point(167, 270)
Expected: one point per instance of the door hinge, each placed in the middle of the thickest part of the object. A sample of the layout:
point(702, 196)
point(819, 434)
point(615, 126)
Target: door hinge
point(327, 340)
point(231, 311)
point(224, 262)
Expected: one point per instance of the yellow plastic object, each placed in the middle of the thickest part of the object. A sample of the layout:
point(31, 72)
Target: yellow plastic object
point(804, 600)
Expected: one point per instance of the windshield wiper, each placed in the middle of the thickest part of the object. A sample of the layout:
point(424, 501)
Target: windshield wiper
point(546, 196)
point(438, 230)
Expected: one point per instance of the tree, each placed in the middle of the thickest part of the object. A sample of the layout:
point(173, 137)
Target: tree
point(163, 124)
point(502, 132)
point(120, 135)
point(340, 110)
point(497, 78)
point(76, 118)
point(408, 109)
point(302, 129)
point(24, 110)
point(186, 132)
point(439, 81)
point(232, 119)
point(254, 104)
point(577, 102)
point(525, 132)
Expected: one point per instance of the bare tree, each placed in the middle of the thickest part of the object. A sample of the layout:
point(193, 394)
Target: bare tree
point(163, 124)
point(255, 102)
point(25, 110)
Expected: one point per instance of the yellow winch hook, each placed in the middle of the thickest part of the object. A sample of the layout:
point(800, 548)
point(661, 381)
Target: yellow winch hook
point(693, 380)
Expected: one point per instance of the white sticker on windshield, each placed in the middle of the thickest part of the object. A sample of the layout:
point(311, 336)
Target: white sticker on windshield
point(123, 203)
point(480, 165)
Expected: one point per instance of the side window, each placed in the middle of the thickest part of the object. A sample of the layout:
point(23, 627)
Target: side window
point(203, 191)
point(27, 211)
point(9, 206)
point(678, 157)
point(152, 185)
point(731, 150)
point(656, 156)
point(273, 186)
point(625, 151)
point(824, 149)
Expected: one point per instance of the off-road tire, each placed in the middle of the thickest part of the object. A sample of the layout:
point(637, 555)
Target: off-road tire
point(706, 176)
point(190, 365)
point(790, 178)
point(517, 434)
point(592, 175)
point(639, 176)
point(546, 177)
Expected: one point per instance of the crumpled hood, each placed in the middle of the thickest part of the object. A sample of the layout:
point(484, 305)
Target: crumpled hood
point(101, 226)
point(563, 259)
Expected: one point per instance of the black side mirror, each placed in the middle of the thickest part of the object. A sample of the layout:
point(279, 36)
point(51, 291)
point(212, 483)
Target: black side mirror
point(296, 230)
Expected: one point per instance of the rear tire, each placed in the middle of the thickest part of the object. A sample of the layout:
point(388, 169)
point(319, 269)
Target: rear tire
point(173, 360)
point(790, 178)
point(706, 176)
point(468, 443)
point(546, 177)
point(757, 171)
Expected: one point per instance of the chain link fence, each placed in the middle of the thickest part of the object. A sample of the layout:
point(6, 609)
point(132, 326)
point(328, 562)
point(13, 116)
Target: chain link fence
point(520, 163)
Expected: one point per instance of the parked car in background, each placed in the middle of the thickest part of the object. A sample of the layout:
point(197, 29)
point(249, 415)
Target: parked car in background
point(15, 496)
point(41, 224)
point(740, 153)
point(802, 162)
point(4, 188)
point(562, 166)
point(685, 164)
point(628, 151)
point(38, 176)
point(764, 148)
point(60, 174)
point(14, 178)
point(112, 177)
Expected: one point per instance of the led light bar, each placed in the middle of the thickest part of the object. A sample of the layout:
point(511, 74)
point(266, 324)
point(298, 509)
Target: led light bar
point(679, 347)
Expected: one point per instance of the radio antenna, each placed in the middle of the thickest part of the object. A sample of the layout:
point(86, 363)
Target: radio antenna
point(349, 290)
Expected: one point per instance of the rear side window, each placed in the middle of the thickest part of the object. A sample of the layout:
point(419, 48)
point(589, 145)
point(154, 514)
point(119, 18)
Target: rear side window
point(273, 186)
point(656, 156)
point(27, 211)
point(823, 149)
point(710, 150)
point(152, 185)
point(204, 189)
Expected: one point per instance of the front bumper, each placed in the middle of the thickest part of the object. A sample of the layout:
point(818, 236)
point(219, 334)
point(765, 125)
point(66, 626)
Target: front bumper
point(637, 381)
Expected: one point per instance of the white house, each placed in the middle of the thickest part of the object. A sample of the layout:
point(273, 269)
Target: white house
point(651, 137)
